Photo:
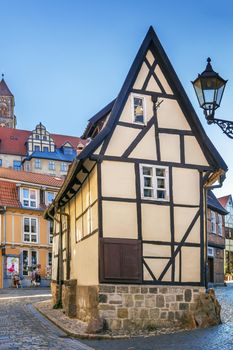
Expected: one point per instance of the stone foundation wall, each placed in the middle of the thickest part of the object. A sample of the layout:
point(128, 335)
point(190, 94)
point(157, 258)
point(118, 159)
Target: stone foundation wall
point(69, 289)
point(54, 291)
point(135, 308)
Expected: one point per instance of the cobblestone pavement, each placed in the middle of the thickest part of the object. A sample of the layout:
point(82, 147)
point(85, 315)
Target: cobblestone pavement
point(23, 328)
point(218, 337)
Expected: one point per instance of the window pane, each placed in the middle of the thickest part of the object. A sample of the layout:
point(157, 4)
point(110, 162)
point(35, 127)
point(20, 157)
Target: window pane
point(32, 194)
point(147, 181)
point(33, 204)
point(26, 237)
point(160, 172)
point(160, 183)
point(51, 227)
point(50, 197)
point(147, 171)
point(161, 194)
point(50, 259)
point(25, 193)
point(34, 238)
point(26, 225)
point(26, 203)
point(34, 258)
point(138, 110)
point(148, 193)
point(33, 225)
point(25, 262)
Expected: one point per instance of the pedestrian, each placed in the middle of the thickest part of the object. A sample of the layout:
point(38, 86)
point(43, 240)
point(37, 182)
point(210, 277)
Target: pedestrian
point(33, 277)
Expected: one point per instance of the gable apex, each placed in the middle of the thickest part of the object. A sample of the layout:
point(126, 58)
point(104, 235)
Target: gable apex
point(151, 42)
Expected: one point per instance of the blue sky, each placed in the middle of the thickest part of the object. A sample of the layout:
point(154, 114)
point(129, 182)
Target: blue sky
point(64, 60)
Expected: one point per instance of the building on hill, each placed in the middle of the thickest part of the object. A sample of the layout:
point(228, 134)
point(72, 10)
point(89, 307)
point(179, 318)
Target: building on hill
point(25, 237)
point(132, 206)
point(7, 104)
point(227, 203)
point(37, 150)
point(216, 239)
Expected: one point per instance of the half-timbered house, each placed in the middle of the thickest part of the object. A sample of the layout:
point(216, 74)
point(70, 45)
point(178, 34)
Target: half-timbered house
point(130, 236)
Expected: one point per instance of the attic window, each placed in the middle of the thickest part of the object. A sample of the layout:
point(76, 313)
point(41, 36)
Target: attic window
point(68, 150)
point(138, 104)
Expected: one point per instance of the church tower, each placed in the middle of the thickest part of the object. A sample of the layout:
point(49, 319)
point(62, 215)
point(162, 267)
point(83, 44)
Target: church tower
point(7, 103)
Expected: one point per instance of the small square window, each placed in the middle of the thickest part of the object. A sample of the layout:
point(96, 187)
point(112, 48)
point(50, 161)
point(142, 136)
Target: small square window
point(36, 148)
point(154, 182)
point(45, 149)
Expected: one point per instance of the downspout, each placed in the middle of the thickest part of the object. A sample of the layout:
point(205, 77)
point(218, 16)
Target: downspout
point(60, 255)
point(206, 188)
point(58, 304)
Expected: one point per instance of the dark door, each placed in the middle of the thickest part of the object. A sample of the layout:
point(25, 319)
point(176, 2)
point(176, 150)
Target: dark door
point(210, 270)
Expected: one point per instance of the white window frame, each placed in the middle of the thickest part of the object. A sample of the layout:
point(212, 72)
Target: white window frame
point(46, 197)
point(28, 199)
point(213, 221)
point(62, 166)
point(220, 222)
point(143, 106)
point(50, 235)
point(37, 163)
point(30, 218)
point(154, 182)
point(51, 165)
point(210, 251)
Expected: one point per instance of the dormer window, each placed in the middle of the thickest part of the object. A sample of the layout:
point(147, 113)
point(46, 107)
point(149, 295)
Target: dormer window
point(68, 150)
point(138, 104)
point(29, 198)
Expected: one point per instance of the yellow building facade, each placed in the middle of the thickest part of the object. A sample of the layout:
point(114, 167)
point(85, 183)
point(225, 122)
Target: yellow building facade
point(25, 236)
point(130, 238)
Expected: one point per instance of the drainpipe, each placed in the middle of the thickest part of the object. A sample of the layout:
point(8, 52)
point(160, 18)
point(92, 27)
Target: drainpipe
point(60, 262)
point(206, 230)
point(60, 255)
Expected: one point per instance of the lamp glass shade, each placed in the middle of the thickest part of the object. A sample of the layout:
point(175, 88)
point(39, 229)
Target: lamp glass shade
point(209, 88)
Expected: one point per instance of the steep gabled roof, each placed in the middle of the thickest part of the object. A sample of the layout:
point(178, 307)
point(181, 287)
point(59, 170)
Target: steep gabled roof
point(152, 42)
point(4, 90)
point(214, 204)
point(224, 200)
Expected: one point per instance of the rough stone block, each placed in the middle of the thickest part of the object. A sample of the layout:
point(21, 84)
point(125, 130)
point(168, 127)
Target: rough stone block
point(144, 290)
point(150, 301)
point(160, 300)
point(106, 307)
point(154, 313)
point(163, 315)
point(170, 298)
point(174, 306)
point(122, 289)
point(134, 289)
point(134, 313)
point(122, 313)
point(140, 303)
point(108, 314)
point(103, 298)
point(139, 297)
point(184, 306)
point(179, 297)
point(153, 290)
point(188, 295)
point(128, 300)
point(103, 288)
point(115, 299)
point(115, 325)
point(163, 290)
point(144, 313)
point(171, 316)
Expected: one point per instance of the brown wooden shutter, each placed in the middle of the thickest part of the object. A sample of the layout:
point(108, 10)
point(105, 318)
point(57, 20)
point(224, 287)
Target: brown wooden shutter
point(120, 260)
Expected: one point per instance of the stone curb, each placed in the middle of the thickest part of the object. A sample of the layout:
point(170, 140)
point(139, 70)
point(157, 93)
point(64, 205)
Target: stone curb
point(79, 335)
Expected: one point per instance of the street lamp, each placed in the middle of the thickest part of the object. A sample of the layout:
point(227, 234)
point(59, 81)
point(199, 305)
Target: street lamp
point(209, 88)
